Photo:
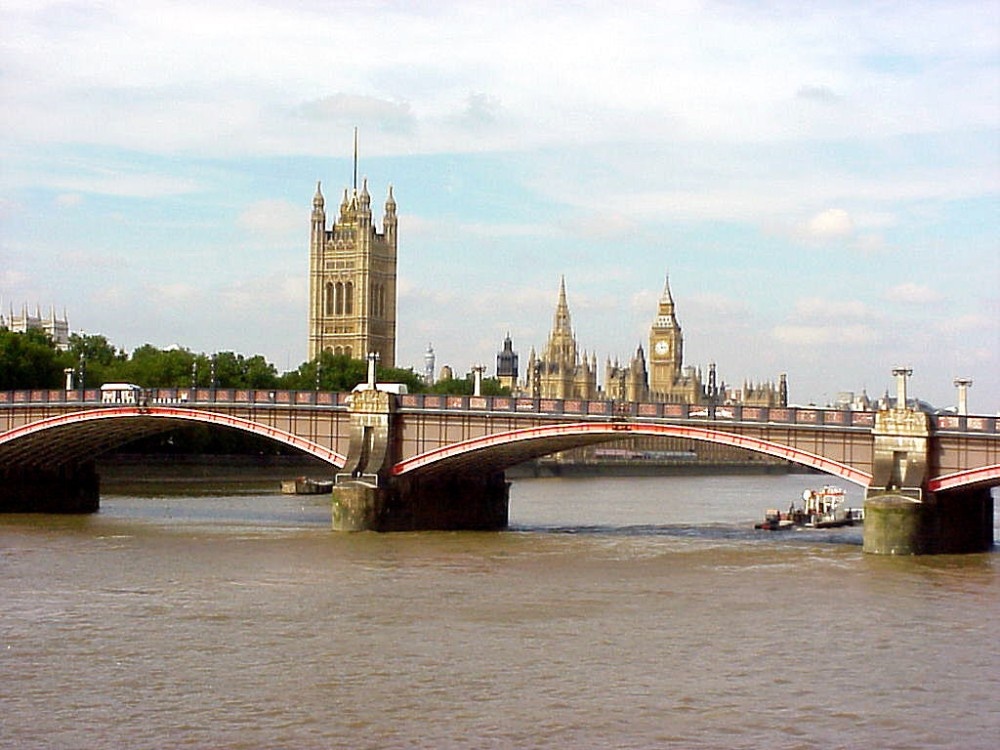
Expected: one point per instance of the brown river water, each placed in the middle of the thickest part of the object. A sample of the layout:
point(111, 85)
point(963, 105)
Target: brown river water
point(615, 613)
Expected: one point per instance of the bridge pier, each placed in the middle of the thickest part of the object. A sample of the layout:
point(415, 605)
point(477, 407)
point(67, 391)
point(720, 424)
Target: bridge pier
point(368, 497)
point(453, 503)
point(901, 516)
point(35, 490)
point(942, 523)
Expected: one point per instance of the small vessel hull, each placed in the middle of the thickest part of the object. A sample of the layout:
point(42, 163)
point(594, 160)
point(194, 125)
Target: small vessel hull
point(820, 509)
point(305, 486)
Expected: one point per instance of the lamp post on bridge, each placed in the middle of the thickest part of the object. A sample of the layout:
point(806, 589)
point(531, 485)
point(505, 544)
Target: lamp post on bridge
point(963, 385)
point(477, 379)
point(373, 359)
point(901, 373)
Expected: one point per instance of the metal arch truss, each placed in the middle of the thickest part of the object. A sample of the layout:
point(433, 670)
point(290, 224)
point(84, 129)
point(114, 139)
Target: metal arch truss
point(982, 476)
point(138, 421)
point(518, 446)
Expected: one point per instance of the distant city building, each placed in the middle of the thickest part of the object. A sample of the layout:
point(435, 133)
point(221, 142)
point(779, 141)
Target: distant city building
point(759, 394)
point(669, 380)
point(849, 400)
point(661, 376)
point(627, 382)
point(56, 328)
point(507, 365)
point(446, 373)
point(352, 279)
point(429, 365)
point(561, 371)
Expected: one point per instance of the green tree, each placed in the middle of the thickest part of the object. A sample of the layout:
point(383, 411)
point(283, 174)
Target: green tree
point(164, 368)
point(29, 360)
point(100, 361)
point(466, 387)
point(236, 371)
point(338, 372)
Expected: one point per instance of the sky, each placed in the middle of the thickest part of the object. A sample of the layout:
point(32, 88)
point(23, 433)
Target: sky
point(819, 180)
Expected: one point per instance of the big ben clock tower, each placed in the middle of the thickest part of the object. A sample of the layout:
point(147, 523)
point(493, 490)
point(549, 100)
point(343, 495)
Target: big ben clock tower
point(666, 346)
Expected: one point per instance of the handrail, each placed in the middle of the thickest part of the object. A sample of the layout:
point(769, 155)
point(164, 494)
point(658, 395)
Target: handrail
point(572, 408)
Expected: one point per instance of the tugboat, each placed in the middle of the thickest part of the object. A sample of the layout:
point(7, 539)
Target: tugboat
point(820, 509)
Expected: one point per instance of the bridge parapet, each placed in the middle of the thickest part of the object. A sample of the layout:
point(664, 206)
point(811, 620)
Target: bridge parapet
point(189, 396)
point(601, 409)
point(576, 408)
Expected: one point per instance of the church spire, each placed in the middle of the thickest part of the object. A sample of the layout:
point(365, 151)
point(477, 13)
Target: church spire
point(667, 298)
point(665, 314)
point(561, 321)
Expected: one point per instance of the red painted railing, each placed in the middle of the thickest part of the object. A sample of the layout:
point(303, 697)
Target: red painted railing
point(572, 408)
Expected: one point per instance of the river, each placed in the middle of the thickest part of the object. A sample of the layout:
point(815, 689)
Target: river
point(615, 613)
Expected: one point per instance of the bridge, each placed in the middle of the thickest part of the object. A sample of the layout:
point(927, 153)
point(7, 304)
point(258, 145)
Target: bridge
point(420, 461)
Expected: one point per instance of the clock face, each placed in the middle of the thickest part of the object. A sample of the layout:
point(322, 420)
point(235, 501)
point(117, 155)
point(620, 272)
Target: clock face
point(662, 347)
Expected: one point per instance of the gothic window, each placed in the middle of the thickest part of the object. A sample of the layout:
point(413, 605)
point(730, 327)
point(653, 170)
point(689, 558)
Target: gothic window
point(348, 298)
point(378, 301)
point(348, 351)
point(329, 299)
point(340, 298)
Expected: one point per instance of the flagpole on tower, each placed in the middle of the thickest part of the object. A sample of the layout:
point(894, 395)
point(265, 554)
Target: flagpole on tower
point(355, 158)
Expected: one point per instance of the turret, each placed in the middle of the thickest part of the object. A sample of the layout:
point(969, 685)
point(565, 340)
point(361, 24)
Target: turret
point(318, 215)
point(389, 221)
point(364, 205)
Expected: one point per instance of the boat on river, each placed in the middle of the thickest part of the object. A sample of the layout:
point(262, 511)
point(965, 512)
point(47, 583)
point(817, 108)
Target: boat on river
point(306, 486)
point(825, 508)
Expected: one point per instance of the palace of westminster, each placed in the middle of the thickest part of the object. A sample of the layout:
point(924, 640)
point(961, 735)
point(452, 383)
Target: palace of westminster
point(352, 311)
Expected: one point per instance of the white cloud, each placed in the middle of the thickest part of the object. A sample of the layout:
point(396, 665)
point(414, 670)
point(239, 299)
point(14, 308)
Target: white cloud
point(274, 218)
point(69, 200)
point(174, 293)
point(817, 93)
point(11, 278)
point(910, 293)
point(831, 309)
point(833, 223)
point(870, 244)
point(348, 110)
point(961, 324)
point(828, 335)
point(221, 76)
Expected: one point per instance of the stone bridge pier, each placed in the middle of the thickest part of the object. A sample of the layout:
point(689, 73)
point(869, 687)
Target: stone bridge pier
point(901, 516)
point(368, 497)
point(34, 489)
